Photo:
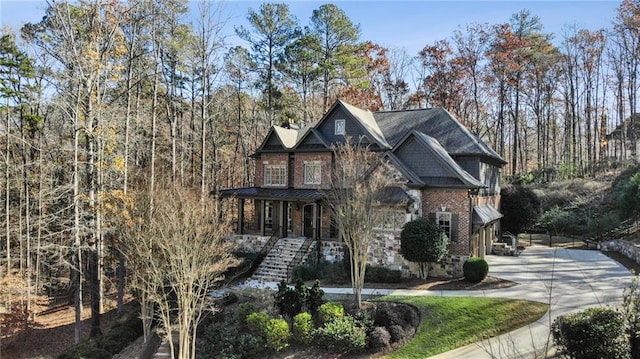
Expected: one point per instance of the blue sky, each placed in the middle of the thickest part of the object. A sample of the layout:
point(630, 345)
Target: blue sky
point(397, 24)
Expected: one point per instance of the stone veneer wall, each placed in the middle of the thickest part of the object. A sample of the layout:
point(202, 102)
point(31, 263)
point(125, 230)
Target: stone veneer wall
point(628, 249)
point(249, 242)
point(384, 251)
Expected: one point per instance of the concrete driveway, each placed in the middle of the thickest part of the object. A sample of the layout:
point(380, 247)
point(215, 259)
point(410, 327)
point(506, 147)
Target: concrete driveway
point(569, 280)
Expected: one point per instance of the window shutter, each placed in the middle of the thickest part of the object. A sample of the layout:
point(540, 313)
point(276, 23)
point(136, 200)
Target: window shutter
point(454, 227)
point(432, 217)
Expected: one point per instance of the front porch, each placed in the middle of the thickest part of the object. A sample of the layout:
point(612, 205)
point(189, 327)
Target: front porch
point(267, 212)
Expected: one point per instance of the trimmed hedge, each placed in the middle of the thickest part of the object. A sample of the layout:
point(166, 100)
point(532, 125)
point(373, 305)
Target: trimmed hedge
point(475, 269)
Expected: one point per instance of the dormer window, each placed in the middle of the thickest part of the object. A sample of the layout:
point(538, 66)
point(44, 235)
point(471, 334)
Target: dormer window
point(339, 127)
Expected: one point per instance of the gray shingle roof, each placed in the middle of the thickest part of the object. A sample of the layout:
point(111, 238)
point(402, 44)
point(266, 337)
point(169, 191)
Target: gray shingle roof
point(368, 121)
point(453, 175)
point(456, 139)
point(273, 193)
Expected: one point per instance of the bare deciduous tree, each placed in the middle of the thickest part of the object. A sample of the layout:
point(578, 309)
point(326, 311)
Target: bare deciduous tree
point(179, 255)
point(353, 198)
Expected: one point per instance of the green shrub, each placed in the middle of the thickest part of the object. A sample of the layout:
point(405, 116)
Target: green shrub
point(288, 301)
point(314, 299)
point(276, 334)
point(219, 341)
point(244, 309)
point(363, 319)
point(330, 311)
point(85, 350)
point(304, 273)
point(335, 272)
point(257, 322)
point(521, 208)
point(246, 346)
point(592, 333)
point(475, 269)
point(116, 339)
point(126, 329)
point(382, 275)
point(291, 301)
point(303, 327)
point(342, 335)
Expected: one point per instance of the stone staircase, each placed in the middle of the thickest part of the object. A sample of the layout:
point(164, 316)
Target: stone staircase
point(274, 266)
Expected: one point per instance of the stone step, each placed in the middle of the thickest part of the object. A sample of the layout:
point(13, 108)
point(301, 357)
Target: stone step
point(275, 264)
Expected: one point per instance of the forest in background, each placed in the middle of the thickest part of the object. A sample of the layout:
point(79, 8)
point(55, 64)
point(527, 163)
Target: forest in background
point(104, 103)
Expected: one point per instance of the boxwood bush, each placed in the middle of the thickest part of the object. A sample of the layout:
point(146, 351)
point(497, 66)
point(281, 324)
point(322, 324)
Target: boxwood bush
point(257, 322)
point(276, 334)
point(303, 327)
point(475, 269)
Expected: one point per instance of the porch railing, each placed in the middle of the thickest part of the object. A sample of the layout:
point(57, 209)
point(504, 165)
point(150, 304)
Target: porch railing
point(297, 259)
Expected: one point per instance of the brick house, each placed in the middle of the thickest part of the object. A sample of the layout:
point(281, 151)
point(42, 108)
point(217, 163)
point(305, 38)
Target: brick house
point(444, 172)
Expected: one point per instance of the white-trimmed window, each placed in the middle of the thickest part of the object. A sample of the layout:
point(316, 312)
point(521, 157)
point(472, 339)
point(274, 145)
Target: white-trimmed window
point(313, 172)
point(443, 220)
point(339, 127)
point(275, 175)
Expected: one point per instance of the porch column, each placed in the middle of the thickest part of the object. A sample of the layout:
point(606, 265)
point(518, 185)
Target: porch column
point(240, 215)
point(489, 237)
point(315, 221)
point(482, 248)
point(262, 209)
point(282, 219)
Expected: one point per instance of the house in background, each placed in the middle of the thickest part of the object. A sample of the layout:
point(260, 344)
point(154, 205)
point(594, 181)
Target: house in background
point(443, 172)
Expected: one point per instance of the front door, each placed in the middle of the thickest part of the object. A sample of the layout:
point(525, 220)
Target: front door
point(307, 219)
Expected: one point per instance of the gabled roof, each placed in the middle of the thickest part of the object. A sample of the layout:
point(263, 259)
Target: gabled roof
point(438, 123)
point(307, 138)
point(278, 139)
point(288, 136)
point(368, 122)
point(451, 174)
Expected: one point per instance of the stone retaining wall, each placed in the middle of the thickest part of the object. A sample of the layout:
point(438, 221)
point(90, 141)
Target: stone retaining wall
point(628, 249)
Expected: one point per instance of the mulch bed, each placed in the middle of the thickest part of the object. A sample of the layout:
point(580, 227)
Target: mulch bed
point(432, 284)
